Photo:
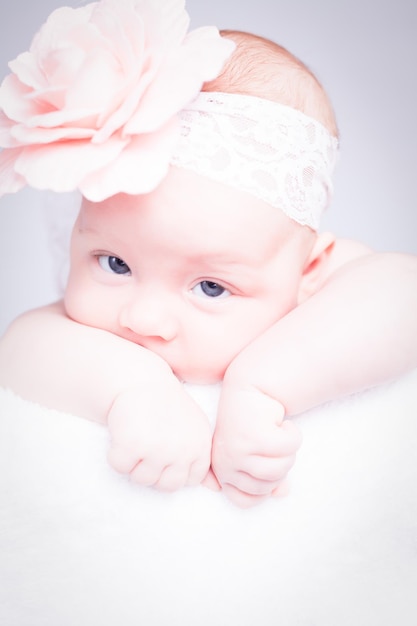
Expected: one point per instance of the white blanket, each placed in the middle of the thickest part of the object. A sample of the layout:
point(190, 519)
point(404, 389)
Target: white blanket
point(81, 546)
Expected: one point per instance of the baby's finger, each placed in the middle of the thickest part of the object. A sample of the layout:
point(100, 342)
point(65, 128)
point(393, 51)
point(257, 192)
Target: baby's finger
point(282, 490)
point(267, 468)
point(250, 485)
point(256, 487)
point(198, 470)
point(121, 459)
point(146, 473)
point(211, 482)
point(172, 478)
point(241, 499)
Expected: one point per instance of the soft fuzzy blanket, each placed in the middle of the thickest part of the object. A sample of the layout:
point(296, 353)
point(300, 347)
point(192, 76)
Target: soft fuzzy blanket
point(81, 546)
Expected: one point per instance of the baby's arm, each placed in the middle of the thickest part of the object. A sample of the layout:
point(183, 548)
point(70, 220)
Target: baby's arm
point(161, 439)
point(357, 331)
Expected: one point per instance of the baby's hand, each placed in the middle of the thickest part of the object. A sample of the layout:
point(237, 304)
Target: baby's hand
point(159, 436)
point(253, 446)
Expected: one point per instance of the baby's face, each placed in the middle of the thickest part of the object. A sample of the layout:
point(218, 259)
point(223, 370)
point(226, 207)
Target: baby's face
point(193, 271)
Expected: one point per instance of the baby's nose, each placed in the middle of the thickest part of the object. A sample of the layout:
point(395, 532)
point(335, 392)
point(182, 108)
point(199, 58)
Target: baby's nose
point(150, 316)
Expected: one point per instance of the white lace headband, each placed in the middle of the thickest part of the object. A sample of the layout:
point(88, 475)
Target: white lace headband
point(77, 125)
point(270, 150)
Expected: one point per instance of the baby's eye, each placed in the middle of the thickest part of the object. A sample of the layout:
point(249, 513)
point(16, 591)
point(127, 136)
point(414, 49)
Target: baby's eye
point(113, 264)
point(209, 289)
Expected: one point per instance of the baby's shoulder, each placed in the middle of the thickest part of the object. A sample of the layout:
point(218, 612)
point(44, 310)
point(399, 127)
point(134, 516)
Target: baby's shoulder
point(350, 248)
point(344, 251)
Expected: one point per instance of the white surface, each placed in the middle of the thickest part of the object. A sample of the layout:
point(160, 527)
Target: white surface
point(363, 51)
point(81, 546)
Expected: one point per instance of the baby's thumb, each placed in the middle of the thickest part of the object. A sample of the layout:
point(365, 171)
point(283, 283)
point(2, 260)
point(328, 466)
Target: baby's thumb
point(211, 481)
point(121, 460)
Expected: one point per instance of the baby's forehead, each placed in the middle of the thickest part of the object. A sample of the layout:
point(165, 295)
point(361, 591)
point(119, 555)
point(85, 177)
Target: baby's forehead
point(197, 217)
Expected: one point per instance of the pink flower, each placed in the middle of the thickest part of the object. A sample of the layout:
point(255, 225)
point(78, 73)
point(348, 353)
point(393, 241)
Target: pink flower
point(93, 104)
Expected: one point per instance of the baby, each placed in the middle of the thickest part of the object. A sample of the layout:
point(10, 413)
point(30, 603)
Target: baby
point(219, 273)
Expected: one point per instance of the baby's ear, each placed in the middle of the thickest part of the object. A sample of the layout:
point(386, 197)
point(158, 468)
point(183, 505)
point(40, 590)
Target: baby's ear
point(316, 268)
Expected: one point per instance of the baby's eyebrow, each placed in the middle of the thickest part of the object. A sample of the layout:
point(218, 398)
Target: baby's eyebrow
point(86, 229)
point(217, 259)
point(235, 261)
point(226, 268)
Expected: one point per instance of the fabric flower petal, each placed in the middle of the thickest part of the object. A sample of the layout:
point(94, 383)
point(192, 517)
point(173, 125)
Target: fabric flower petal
point(139, 168)
point(27, 70)
point(10, 181)
point(164, 32)
point(6, 138)
point(29, 136)
point(201, 59)
point(63, 168)
point(63, 26)
point(15, 100)
point(94, 103)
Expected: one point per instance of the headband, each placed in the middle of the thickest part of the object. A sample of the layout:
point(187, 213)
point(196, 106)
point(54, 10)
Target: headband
point(269, 150)
point(109, 95)
point(93, 104)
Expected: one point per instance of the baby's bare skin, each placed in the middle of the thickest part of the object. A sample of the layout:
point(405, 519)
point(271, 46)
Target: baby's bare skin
point(321, 339)
point(201, 282)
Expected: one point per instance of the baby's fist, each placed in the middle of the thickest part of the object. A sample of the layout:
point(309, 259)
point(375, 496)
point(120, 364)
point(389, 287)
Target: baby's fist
point(254, 447)
point(161, 439)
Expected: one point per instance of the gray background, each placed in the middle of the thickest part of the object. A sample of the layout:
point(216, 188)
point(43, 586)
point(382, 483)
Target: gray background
point(363, 51)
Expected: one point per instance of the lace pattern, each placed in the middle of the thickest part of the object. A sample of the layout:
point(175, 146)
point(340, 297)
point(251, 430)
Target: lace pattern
point(267, 149)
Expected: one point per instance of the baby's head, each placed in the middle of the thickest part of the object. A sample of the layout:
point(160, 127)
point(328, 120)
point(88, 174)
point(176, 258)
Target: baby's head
point(199, 267)
point(260, 67)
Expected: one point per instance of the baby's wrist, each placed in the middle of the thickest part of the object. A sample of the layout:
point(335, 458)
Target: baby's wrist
point(139, 371)
point(241, 377)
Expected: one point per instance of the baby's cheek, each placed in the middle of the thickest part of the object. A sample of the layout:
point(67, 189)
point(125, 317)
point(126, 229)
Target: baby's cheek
point(80, 305)
point(73, 304)
point(220, 358)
